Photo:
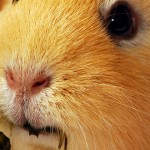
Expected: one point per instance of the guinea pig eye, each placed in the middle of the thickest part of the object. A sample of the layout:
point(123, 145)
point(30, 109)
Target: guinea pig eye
point(121, 21)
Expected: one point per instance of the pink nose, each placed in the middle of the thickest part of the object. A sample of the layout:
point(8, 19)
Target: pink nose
point(34, 84)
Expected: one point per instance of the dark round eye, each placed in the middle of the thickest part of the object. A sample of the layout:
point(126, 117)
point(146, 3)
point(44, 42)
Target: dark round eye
point(121, 21)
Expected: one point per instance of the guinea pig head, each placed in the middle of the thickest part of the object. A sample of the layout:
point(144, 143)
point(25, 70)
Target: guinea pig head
point(60, 70)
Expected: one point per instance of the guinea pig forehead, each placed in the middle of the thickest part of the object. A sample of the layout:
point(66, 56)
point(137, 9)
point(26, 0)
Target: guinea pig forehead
point(61, 18)
point(48, 24)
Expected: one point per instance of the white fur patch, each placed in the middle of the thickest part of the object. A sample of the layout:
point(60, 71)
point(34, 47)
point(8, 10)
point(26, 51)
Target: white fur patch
point(106, 5)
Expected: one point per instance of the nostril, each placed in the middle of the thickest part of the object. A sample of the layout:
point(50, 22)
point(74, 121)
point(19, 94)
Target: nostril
point(10, 79)
point(41, 82)
point(9, 76)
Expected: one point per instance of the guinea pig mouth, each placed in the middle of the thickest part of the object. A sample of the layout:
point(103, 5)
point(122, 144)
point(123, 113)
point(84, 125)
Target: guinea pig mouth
point(48, 130)
point(36, 131)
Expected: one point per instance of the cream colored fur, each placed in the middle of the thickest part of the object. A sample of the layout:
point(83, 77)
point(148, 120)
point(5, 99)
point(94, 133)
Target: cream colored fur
point(100, 92)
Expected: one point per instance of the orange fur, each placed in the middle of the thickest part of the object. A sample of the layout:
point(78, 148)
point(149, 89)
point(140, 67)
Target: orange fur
point(3, 3)
point(100, 92)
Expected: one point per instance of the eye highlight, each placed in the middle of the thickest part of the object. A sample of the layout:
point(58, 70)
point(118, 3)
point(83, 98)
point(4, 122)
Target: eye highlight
point(121, 21)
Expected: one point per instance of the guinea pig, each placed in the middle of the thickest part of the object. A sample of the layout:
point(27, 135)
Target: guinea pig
point(75, 74)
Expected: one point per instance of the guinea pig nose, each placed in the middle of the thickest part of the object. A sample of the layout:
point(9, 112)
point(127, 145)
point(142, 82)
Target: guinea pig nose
point(34, 84)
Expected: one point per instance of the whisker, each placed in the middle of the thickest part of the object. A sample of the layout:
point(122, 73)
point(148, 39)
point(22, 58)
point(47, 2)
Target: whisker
point(133, 108)
point(83, 133)
point(122, 88)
